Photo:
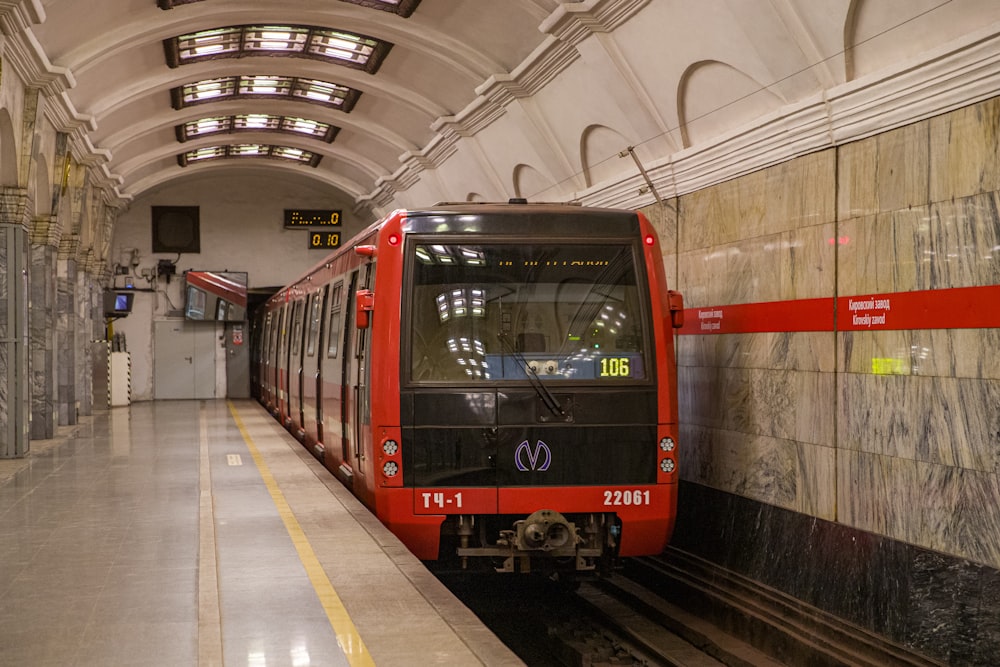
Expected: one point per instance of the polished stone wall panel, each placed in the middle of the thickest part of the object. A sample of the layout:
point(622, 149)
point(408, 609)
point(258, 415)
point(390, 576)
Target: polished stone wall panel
point(936, 246)
point(714, 397)
point(867, 260)
point(940, 507)
point(960, 353)
point(777, 471)
point(798, 264)
point(795, 194)
point(792, 405)
point(901, 175)
point(857, 188)
point(964, 159)
point(779, 350)
point(755, 467)
point(945, 421)
point(951, 245)
point(808, 266)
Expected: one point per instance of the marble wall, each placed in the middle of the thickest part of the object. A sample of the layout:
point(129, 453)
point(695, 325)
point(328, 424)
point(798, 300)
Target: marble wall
point(919, 448)
point(890, 432)
point(756, 408)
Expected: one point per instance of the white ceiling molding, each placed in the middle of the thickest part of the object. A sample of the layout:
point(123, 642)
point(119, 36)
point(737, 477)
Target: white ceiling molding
point(17, 15)
point(953, 76)
point(943, 79)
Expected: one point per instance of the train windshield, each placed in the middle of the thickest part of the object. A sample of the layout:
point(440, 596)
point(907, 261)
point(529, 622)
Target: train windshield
point(484, 313)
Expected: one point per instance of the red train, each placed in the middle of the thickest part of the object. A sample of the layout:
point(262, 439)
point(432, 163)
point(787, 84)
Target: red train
point(496, 382)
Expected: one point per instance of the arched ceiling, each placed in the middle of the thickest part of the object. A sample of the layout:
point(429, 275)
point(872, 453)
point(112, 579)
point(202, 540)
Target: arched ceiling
point(535, 94)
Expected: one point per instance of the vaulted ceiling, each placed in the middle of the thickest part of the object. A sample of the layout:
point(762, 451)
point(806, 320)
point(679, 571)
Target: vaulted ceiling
point(394, 101)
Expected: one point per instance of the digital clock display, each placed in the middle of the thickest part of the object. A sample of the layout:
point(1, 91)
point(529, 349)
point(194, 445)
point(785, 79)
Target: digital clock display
point(296, 217)
point(323, 240)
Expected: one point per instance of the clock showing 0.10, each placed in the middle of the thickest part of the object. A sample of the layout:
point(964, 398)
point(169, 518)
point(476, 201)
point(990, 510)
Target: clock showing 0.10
point(297, 217)
point(323, 240)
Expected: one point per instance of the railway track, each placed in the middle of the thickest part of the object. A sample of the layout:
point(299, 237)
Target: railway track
point(672, 609)
point(603, 622)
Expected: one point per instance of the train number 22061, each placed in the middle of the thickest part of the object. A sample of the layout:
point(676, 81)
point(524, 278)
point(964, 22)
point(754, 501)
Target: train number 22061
point(627, 497)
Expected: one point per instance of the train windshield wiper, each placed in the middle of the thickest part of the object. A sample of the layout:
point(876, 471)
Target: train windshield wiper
point(536, 383)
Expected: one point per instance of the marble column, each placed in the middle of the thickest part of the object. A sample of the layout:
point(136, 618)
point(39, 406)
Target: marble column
point(42, 327)
point(67, 348)
point(15, 406)
point(84, 313)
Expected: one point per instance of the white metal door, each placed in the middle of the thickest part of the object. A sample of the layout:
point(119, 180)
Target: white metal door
point(183, 360)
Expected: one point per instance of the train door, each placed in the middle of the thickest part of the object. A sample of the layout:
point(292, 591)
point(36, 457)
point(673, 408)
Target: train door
point(281, 362)
point(348, 387)
point(332, 379)
point(263, 361)
point(362, 412)
point(271, 359)
point(311, 389)
point(295, 366)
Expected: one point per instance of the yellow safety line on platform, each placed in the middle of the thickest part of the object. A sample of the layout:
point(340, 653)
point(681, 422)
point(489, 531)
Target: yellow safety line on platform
point(210, 653)
point(347, 635)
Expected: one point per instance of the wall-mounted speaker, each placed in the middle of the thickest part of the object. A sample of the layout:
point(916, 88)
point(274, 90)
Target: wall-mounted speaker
point(176, 229)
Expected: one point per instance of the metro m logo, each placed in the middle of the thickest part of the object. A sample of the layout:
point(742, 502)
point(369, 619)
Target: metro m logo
point(527, 458)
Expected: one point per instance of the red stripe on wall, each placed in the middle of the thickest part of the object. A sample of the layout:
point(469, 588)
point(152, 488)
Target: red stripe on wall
point(799, 315)
point(955, 308)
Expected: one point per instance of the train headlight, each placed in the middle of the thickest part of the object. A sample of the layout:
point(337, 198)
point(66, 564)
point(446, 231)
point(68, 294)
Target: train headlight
point(390, 468)
point(390, 447)
point(667, 444)
point(667, 465)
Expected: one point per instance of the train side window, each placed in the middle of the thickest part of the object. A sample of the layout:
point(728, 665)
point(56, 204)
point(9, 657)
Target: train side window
point(336, 305)
point(296, 328)
point(266, 334)
point(315, 315)
point(282, 332)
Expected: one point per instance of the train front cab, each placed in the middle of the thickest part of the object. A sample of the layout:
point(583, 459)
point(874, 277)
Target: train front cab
point(530, 430)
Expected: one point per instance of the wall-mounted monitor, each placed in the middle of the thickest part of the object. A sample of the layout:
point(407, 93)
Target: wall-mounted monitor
point(220, 296)
point(118, 304)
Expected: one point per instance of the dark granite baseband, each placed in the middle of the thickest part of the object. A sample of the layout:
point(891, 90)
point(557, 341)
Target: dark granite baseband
point(938, 605)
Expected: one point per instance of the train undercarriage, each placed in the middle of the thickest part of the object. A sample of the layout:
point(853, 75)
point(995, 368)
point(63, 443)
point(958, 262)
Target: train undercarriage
point(546, 542)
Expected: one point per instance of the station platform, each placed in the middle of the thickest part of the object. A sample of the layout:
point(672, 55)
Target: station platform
point(200, 533)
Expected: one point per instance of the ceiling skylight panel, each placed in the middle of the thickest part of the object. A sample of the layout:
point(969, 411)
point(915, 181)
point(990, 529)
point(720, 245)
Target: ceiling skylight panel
point(203, 126)
point(343, 46)
point(206, 153)
point(280, 38)
point(339, 46)
point(214, 43)
point(265, 86)
point(401, 7)
point(208, 89)
point(313, 128)
point(256, 122)
point(244, 151)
